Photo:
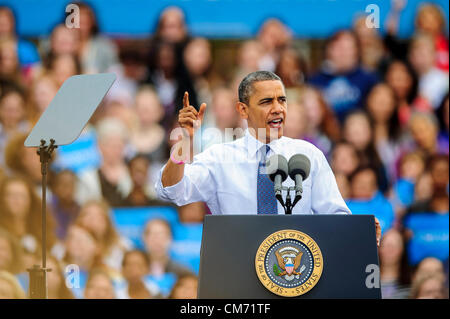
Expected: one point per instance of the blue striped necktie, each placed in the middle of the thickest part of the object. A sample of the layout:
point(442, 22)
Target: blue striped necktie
point(267, 203)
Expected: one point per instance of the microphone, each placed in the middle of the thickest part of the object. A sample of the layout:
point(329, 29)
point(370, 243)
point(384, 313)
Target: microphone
point(299, 167)
point(277, 169)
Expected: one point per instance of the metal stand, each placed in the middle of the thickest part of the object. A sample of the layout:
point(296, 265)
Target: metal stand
point(38, 274)
point(288, 205)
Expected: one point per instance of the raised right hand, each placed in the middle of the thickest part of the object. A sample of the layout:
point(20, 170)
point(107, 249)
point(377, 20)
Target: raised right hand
point(189, 118)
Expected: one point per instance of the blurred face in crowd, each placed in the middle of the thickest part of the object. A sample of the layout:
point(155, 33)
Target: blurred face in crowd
point(64, 187)
point(364, 185)
point(289, 68)
point(381, 103)
point(357, 131)
point(343, 52)
point(422, 54)
point(391, 248)
point(112, 148)
point(274, 35)
point(172, 26)
point(424, 132)
point(54, 277)
point(134, 267)
point(345, 160)
point(31, 163)
point(250, 53)
point(139, 171)
point(64, 40)
point(94, 218)
point(86, 22)
point(423, 189)
point(429, 19)
point(43, 91)
point(412, 167)
point(12, 110)
point(167, 59)
point(223, 107)
point(343, 185)
point(399, 79)
point(439, 173)
point(157, 237)
point(267, 109)
point(6, 254)
point(197, 56)
point(186, 288)
point(17, 199)
point(148, 108)
point(312, 102)
point(8, 58)
point(429, 265)
point(7, 24)
point(99, 287)
point(81, 246)
point(64, 67)
point(297, 121)
point(431, 288)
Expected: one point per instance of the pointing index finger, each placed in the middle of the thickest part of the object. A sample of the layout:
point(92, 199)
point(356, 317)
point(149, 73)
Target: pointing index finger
point(186, 100)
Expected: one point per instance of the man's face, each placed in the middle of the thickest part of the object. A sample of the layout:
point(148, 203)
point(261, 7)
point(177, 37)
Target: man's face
point(267, 109)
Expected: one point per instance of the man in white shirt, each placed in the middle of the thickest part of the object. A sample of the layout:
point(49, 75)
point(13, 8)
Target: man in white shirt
point(227, 176)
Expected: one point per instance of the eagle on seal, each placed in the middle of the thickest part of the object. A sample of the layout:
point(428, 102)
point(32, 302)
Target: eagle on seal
point(289, 260)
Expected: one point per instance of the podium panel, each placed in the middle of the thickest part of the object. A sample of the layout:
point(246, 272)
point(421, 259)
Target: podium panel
point(289, 256)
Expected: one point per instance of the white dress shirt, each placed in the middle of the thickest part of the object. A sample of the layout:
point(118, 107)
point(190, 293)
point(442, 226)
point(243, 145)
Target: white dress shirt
point(225, 177)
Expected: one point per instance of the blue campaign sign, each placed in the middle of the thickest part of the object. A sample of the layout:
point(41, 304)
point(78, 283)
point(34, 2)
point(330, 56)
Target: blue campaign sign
point(82, 154)
point(187, 241)
point(430, 236)
point(378, 206)
point(131, 221)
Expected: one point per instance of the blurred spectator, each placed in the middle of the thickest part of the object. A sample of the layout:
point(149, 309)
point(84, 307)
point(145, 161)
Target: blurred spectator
point(382, 108)
point(424, 130)
point(341, 79)
point(371, 44)
point(24, 161)
point(20, 213)
point(172, 26)
point(394, 268)
point(429, 265)
point(62, 66)
point(41, 92)
point(429, 286)
point(343, 185)
point(344, 159)
point(56, 282)
point(10, 287)
point(10, 253)
point(291, 68)
point(111, 180)
point(149, 112)
point(99, 285)
point(198, 60)
point(296, 124)
point(26, 51)
point(135, 266)
point(322, 126)
point(366, 197)
point(95, 216)
point(273, 36)
point(157, 239)
point(430, 20)
point(141, 194)
point(358, 129)
point(433, 83)
point(12, 116)
point(9, 62)
point(401, 77)
point(97, 53)
point(192, 213)
point(248, 57)
point(442, 114)
point(62, 204)
point(185, 288)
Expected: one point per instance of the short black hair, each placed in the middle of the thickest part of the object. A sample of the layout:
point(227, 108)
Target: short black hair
point(246, 85)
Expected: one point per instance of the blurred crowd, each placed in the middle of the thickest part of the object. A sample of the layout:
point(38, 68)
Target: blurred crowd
point(376, 104)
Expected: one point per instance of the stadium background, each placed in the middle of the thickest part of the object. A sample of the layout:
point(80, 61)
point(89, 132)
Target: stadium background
point(388, 147)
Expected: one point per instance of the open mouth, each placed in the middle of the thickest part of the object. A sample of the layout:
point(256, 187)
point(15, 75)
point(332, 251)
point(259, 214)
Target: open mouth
point(275, 123)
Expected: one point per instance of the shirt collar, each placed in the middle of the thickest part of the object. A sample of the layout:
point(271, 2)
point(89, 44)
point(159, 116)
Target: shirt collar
point(253, 144)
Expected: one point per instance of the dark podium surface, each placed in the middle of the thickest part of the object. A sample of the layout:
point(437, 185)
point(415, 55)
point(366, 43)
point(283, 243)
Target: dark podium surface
point(230, 244)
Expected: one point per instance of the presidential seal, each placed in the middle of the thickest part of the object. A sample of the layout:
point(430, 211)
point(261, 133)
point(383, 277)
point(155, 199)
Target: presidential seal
point(289, 263)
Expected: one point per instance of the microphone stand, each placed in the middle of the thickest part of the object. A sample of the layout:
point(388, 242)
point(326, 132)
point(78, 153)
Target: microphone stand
point(288, 205)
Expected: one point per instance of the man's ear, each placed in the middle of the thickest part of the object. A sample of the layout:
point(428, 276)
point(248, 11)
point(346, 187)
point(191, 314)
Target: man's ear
point(242, 109)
